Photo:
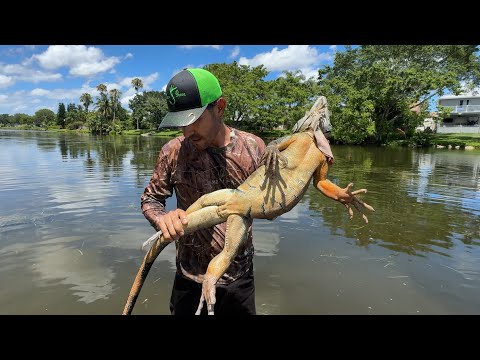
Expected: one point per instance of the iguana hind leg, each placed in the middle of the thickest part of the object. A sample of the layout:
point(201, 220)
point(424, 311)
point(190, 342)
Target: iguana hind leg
point(215, 198)
point(229, 202)
point(236, 235)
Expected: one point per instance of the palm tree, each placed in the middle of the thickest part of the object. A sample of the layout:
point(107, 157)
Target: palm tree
point(101, 88)
point(114, 96)
point(137, 84)
point(86, 100)
point(104, 106)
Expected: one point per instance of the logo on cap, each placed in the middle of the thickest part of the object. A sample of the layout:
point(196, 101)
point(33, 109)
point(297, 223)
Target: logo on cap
point(173, 93)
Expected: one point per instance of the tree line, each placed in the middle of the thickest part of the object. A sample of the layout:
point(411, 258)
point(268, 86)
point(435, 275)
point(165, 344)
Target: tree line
point(376, 94)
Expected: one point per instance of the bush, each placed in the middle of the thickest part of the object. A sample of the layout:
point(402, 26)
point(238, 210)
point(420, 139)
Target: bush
point(421, 139)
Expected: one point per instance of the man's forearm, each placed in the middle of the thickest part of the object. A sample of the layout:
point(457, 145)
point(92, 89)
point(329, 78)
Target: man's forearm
point(152, 210)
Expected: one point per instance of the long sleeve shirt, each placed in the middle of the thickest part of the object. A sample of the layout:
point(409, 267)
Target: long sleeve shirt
point(192, 173)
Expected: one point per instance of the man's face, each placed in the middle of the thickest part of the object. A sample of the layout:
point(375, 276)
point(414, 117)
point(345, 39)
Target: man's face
point(202, 133)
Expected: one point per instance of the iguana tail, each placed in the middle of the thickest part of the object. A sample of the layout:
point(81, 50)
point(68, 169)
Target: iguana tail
point(201, 219)
point(142, 273)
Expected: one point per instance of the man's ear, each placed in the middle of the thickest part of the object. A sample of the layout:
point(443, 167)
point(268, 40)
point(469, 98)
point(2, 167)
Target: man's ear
point(221, 105)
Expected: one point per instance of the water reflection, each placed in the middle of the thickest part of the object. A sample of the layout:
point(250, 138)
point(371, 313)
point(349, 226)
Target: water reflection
point(70, 223)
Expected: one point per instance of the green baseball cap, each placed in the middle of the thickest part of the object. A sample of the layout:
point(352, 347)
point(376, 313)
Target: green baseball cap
point(188, 95)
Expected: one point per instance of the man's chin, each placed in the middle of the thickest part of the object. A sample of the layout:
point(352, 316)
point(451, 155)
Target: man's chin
point(199, 146)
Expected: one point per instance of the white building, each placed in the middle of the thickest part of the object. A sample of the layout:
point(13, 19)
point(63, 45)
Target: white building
point(465, 109)
point(464, 113)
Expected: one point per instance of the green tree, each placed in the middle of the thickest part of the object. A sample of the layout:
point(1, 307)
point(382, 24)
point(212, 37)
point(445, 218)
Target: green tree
point(44, 117)
point(246, 92)
point(61, 115)
point(103, 106)
point(114, 101)
point(86, 100)
point(23, 119)
point(75, 117)
point(4, 120)
point(102, 88)
point(372, 89)
point(103, 109)
point(149, 108)
point(294, 96)
point(137, 84)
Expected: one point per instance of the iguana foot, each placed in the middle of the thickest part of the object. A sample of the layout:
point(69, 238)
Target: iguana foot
point(208, 296)
point(349, 199)
point(237, 206)
point(272, 158)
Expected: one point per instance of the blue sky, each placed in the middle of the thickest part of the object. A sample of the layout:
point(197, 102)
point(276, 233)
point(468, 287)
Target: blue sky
point(34, 77)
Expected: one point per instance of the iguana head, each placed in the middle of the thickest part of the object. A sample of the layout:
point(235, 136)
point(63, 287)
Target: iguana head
point(318, 118)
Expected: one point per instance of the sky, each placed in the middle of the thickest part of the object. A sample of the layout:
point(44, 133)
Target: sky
point(34, 77)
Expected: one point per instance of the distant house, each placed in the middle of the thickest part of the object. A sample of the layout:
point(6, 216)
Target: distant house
point(464, 113)
point(465, 109)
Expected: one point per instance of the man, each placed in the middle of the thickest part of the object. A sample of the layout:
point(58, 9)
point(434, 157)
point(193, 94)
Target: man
point(209, 156)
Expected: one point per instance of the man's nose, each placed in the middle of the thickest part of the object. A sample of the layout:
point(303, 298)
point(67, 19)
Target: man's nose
point(187, 131)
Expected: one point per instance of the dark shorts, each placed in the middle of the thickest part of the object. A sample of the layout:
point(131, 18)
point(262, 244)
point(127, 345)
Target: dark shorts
point(236, 298)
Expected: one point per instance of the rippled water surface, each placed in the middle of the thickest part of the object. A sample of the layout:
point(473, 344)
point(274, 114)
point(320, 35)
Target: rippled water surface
point(71, 228)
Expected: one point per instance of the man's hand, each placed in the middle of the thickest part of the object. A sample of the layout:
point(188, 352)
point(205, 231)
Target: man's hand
point(172, 224)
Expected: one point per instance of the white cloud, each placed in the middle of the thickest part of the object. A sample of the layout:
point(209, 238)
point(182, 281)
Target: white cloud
point(93, 68)
point(216, 47)
point(81, 60)
point(18, 51)
point(301, 57)
point(310, 72)
point(23, 73)
point(125, 100)
point(147, 80)
point(235, 52)
point(39, 92)
point(19, 108)
point(130, 92)
point(21, 101)
point(6, 81)
point(129, 56)
point(333, 48)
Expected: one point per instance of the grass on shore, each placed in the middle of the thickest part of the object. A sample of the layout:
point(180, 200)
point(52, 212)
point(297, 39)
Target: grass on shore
point(456, 140)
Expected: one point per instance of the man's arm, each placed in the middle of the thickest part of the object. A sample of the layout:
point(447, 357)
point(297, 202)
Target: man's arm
point(157, 191)
point(153, 201)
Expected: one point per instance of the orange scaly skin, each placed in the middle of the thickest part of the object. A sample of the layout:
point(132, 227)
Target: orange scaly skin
point(272, 190)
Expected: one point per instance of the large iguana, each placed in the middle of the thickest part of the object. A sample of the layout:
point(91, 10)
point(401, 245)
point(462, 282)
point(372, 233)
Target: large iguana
point(289, 164)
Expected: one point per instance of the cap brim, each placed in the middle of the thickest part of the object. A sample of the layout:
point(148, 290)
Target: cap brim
point(182, 118)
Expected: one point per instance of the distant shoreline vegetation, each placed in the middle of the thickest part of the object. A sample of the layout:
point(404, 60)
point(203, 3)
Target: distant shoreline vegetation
point(421, 140)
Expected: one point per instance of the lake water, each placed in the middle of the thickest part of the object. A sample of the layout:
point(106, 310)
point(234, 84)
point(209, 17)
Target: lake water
point(71, 228)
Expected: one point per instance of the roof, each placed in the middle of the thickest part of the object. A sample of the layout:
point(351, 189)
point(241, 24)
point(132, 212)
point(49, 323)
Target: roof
point(469, 95)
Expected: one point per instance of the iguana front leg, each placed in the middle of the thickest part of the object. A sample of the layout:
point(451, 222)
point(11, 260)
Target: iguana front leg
point(344, 196)
point(236, 235)
point(272, 156)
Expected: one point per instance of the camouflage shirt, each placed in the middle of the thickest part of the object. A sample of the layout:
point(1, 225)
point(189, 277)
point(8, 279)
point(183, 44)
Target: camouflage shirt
point(193, 173)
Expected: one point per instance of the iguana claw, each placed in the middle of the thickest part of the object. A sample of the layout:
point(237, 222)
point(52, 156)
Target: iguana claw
point(272, 158)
